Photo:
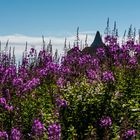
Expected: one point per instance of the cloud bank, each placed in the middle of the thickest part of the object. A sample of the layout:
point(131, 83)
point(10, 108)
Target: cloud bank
point(18, 41)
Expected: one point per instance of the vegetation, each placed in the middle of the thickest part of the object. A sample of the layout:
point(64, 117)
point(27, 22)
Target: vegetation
point(83, 97)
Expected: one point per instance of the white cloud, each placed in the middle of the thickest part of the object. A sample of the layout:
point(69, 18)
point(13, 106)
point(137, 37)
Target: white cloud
point(21, 39)
point(18, 41)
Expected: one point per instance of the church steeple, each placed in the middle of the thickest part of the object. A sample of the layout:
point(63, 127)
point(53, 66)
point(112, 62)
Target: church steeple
point(97, 41)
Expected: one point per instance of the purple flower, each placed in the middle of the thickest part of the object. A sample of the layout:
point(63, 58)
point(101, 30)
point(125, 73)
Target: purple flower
point(95, 63)
point(75, 51)
point(25, 61)
point(22, 71)
point(60, 82)
point(113, 49)
point(3, 101)
point(54, 131)
point(107, 76)
point(38, 128)
point(100, 52)
point(130, 43)
point(17, 81)
point(137, 49)
point(1, 69)
point(116, 59)
point(15, 134)
point(107, 38)
point(43, 72)
point(110, 39)
point(5, 105)
point(51, 67)
point(132, 61)
point(9, 108)
point(61, 102)
point(91, 74)
point(6, 93)
point(10, 71)
point(105, 122)
point(130, 133)
point(29, 85)
point(3, 134)
point(64, 70)
point(32, 50)
point(84, 59)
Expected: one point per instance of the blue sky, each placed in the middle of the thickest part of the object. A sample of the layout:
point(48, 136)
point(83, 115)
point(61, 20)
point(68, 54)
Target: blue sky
point(61, 17)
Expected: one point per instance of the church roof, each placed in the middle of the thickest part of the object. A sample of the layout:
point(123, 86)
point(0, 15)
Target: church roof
point(97, 41)
point(96, 44)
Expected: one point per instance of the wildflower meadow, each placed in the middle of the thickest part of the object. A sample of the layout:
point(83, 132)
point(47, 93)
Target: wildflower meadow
point(77, 97)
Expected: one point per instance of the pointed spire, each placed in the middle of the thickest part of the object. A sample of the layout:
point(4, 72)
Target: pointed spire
point(50, 44)
point(65, 42)
point(77, 33)
point(65, 46)
point(124, 34)
point(13, 56)
point(6, 46)
point(130, 32)
point(114, 25)
point(134, 34)
point(43, 42)
point(107, 29)
point(69, 46)
point(114, 29)
point(49, 47)
point(55, 56)
point(81, 45)
point(97, 41)
point(116, 34)
point(74, 44)
point(123, 39)
point(7, 43)
point(77, 37)
point(26, 46)
point(86, 44)
point(25, 52)
point(10, 53)
point(14, 51)
point(108, 22)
